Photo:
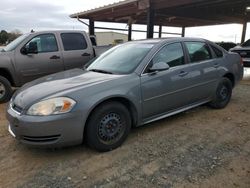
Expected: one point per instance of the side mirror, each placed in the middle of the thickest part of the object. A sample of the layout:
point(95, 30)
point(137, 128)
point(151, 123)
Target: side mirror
point(161, 66)
point(32, 48)
point(29, 49)
point(24, 50)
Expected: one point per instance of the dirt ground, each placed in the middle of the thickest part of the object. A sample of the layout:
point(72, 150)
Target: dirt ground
point(199, 148)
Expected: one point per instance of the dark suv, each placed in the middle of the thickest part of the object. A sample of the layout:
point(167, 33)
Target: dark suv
point(244, 51)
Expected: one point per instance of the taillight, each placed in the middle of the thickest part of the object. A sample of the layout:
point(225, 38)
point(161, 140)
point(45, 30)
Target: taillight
point(241, 61)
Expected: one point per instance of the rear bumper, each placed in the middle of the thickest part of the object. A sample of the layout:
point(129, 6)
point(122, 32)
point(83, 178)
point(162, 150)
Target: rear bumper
point(246, 62)
point(47, 131)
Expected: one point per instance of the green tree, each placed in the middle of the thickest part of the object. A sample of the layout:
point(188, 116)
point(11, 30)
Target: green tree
point(13, 35)
point(3, 37)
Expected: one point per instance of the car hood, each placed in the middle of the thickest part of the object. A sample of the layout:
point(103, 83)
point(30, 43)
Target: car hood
point(240, 48)
point(5, 54)
point(64, 81)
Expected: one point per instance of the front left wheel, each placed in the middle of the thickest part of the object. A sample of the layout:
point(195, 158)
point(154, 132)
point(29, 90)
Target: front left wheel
point(5, 90)
point(108, 126)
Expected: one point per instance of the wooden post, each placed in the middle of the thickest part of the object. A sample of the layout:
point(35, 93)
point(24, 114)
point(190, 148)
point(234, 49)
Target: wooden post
point(129, 32)
point(183, 32)
point(150, 21)
point(91, 27)
point(160, 30)
point(244, 29)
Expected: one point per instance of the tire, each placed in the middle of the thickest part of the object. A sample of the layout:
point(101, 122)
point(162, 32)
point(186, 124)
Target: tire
point(223, 94)
point(5, 90)
point(108, 126)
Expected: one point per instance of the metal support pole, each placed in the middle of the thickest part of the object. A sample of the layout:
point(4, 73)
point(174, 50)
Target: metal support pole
point(183, 32)
point(160, 30)
point(244, 29)
point(91, 27)
point(150, 21)
point(82, 21)
point(129, 32)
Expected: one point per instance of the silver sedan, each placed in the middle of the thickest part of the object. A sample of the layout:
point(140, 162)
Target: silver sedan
point(130, 85)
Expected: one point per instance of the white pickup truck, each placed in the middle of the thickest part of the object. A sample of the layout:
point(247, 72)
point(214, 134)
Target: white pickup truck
point(37, 54)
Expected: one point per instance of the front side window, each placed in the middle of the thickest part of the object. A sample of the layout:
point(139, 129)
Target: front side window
point(198, 51)
point(45, 43)
point(73, 41)
point(171, 54)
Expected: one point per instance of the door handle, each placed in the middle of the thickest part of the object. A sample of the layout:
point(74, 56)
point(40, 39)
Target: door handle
point(216, 65)
point(55, 57)
point(85, 54)
point(183, 73)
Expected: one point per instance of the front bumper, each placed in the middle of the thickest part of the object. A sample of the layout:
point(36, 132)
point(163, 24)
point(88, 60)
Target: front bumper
point(11, 132)
point(49, 131)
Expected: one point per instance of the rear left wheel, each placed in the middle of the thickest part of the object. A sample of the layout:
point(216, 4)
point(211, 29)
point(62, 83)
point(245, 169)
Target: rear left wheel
point(108, 126)
point(223, 94)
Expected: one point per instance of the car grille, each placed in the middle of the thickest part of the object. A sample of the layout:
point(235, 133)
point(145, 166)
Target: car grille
point(40, 139)
point(243, 53)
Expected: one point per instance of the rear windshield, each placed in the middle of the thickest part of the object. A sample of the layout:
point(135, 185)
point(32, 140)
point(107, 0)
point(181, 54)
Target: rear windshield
point(245, 44)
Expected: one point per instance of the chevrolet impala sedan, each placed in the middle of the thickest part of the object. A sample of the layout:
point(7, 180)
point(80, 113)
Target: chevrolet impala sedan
point(130, 85)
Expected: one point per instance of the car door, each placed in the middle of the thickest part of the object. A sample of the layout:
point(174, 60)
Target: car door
point(167, 90)
point(46, 60)
point(202, 64)
point(76, 52)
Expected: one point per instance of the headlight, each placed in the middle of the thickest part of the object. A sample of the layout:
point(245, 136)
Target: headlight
point(52, 106)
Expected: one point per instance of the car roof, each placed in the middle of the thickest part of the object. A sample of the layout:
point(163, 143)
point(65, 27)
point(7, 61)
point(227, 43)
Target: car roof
point(56, 31)
point(169, 39)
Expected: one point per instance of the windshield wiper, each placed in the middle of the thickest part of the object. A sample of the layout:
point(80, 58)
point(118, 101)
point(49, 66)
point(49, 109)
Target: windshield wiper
point(101, 71)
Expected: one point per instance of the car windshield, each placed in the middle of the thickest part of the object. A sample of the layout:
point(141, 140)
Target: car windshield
point(122, 59)
point(11, 46)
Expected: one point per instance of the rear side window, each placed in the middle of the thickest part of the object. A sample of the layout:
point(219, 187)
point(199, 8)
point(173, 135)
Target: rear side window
point(198, 51)
point(73, 41)
point(217, 52)
point(171, 54)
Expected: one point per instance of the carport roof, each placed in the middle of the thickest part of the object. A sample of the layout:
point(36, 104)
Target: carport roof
point(180, 13)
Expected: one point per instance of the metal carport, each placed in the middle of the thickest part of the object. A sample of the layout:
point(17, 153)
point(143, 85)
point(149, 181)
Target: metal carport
point(177, 13)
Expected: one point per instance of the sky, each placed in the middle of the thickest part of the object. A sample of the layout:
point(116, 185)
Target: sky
point(38, 15)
